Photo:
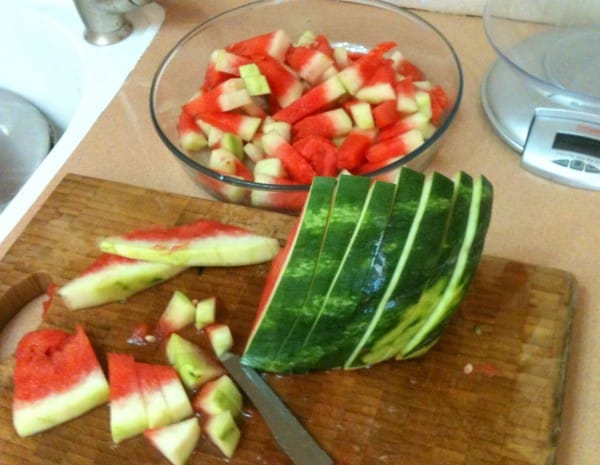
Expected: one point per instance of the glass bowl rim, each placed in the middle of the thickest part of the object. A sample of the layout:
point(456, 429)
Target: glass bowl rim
point(302, 187)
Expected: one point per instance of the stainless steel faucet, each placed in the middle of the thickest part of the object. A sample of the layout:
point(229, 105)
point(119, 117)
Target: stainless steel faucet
point(105, 21)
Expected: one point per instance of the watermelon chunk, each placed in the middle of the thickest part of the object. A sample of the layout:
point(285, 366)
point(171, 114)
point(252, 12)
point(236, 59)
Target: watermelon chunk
point(175, 441)
point(226, 96)
point(328, 124)
point(314, 100)
point(295, 165)
point(128, 415)
point(285, 85)
point(242, 125)
point(57, 377)
point(201, 243)
point(273, 43)
point(320, 152)
point(310, 63)
point(178, 403)
point(112, 278)
point(353, 151)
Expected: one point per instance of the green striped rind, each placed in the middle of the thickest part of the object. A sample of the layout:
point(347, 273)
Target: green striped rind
point(415, 315)
point(417, 262)
point(345, 212)
point(288, 295)
point(394, 235)
point(466, 266)
point(350, 278)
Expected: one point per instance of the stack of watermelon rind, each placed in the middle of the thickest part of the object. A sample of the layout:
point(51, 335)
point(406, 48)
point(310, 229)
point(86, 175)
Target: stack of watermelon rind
point(373, 271)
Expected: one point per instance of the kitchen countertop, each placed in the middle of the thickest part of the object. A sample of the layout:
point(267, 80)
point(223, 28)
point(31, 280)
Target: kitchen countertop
point(535, 221)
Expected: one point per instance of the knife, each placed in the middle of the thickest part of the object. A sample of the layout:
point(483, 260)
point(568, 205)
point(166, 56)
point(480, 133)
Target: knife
point(297, 443)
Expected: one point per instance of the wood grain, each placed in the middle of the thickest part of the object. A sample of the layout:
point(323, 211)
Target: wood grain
point(488, 393)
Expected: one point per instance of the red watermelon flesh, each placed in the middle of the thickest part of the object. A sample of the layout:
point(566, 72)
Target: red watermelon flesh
point(309, 63)
point(57, 377)
point(242, 125)
point(353, 151)
point(296, 165)
point(320, 152)
point(330, 124)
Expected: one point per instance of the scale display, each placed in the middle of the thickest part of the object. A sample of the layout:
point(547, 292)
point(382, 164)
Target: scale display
point(564, 146)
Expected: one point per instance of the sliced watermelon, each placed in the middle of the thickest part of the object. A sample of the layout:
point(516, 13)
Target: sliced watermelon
point(380, 86)
point(299, 267)
point(57, 377)
point(344, 291)
point(403, 284)
point(459, 281)
point(201, 243)
point(128, 415)
point(112, 278)
point(346, 210)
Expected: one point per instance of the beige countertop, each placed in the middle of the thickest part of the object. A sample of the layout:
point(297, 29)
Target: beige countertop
point(535, 221)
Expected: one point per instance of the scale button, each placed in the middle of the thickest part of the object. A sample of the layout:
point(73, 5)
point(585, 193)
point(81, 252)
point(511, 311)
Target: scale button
point(577, 165)
point(562, 162)
point(591, 169)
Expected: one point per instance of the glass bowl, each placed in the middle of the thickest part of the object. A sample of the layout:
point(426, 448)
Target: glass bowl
point(353, 24)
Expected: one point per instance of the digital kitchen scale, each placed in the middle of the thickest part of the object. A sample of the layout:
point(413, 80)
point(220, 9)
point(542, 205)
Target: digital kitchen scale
point(542, 94)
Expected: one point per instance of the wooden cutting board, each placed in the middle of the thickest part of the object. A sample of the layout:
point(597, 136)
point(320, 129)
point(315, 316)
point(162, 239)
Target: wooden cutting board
point(488, 393)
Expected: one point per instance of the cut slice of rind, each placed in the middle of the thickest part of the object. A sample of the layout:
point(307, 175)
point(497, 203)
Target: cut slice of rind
point(463, 273)
point(113, 278)
point(202, 243)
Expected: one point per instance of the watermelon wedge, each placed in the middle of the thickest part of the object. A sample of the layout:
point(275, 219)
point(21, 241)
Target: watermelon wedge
point(57, 377)
point(201, 243)
point(113, 278)
point(273, 43)
point(410, 251)
point(176, 398)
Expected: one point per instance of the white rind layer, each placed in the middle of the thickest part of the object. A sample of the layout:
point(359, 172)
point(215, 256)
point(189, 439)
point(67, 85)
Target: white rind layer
point(128, 417)
point(177, 441)
point(177, 400)
point(33, 417)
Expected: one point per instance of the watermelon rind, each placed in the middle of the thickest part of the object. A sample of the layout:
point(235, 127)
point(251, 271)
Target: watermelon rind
point(345, 213)
point(34, 417)
point(466, 265)
point(114, 283)
point(415, 264)
point(342, 296)
point(221, 250)
point(413, 316)
point(298, 269)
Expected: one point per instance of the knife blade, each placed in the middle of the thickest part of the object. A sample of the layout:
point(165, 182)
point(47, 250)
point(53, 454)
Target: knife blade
point(289, 433)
